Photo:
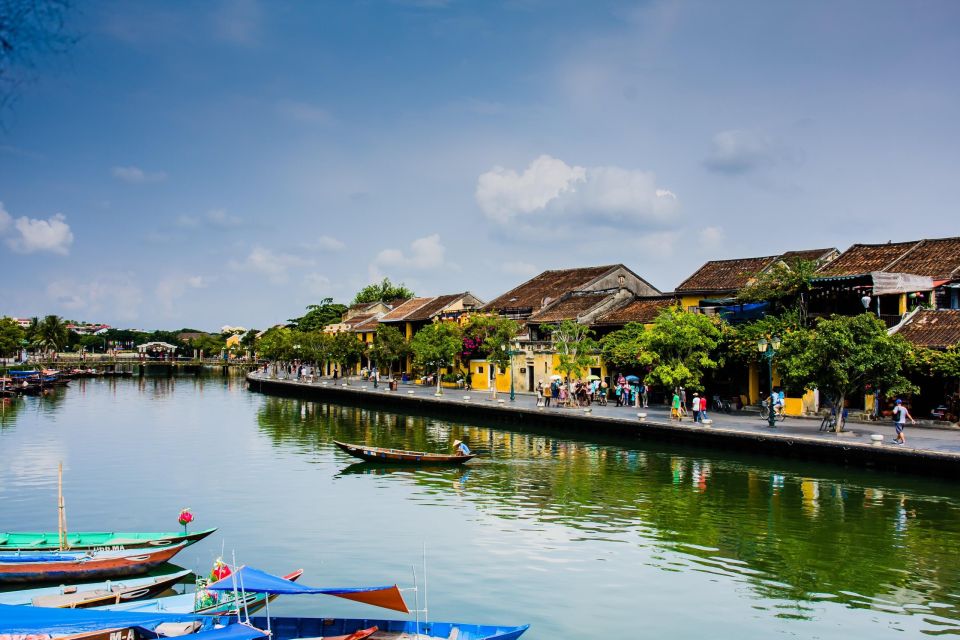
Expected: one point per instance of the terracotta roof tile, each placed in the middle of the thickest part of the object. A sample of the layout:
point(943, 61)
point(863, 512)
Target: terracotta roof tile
point(864, 258)
point(549, 284)
point(571, 307)
point(642, 310)
point(725, 275)
point(400, 313)
point(939, 259)
point(933, 328)
point(369, 323)
point(433, 307)
point(810, 255)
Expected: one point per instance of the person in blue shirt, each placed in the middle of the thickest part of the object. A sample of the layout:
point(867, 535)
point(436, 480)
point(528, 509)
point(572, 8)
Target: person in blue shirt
point(462, 448)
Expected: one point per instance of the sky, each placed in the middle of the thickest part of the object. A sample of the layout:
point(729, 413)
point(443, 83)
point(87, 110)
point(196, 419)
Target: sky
point(204, 164)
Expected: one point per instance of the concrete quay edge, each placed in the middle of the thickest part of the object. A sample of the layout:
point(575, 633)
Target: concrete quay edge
point(819, 448)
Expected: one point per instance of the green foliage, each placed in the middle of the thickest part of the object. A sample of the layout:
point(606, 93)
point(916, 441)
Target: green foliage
point(436, 345)
point(383, 291)
point(574, 345)
point(12, 336)
point(249, 339)
point(209, 343)
point(935, 362)
point(345, 349)
point(311, 346)
point(51, 334)
point(741, 340)
point(276, 344)
point(841, 355)
point(490, 336)
point(623, 347)
point(681, 347)
point(319, 316)
point(780, 283)
point(389, 346)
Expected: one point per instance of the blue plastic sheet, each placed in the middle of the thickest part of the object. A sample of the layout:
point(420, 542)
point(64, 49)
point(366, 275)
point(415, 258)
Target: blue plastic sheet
point(21, 620)
point(256, 581)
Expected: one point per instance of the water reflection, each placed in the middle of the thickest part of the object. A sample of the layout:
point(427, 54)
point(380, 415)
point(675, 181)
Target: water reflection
point(793, 538)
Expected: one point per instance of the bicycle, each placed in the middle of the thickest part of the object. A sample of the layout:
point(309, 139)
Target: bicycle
point(778, 415)
point(829, 422)
point(721, 404)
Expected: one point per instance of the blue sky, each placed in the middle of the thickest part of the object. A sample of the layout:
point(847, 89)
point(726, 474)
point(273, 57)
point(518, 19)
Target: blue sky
point(200, 164)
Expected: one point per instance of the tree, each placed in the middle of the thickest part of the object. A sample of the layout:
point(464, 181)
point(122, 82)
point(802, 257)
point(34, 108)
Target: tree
point(435, 346)
point(574, 345)
point(345, 350)
point(315, 346)
point(841, 355)
point(383, 291)
point(51, 334)
point(490, 336)
point(249, 339)
point(29, 28)
point(11, 338)
point(210, 344)
point(389, 346)
point(741, 340)
point(319, 316)
point(276, 344)
point(680, 347)
point(784, 286)
point(623, 347)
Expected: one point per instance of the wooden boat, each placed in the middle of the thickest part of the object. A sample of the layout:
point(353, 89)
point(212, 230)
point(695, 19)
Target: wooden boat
point(95, 594)
point(96, 540)
point(77, 566)
point(399, 456)
point(289, 628)
point(189, 603)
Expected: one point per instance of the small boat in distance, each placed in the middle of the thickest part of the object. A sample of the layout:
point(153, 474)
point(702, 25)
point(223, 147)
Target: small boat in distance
point(94, 594)
point(399, 456)
point(96, 540)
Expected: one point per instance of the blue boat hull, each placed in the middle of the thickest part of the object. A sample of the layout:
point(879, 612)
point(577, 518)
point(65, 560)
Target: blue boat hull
point(286, 628)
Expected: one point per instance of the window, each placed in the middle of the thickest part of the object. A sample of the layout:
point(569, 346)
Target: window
point(479, 369)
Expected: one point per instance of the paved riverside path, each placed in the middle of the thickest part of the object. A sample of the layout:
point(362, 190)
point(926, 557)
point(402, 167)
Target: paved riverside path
point(925, 438)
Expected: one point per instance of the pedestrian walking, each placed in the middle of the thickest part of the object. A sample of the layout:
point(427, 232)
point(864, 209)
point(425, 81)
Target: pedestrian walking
point(376, 378)
point(703, 407)
point(695, 406)
point(675, 407)
point(644, 394)
point(900, 415)
point(540, 398)
point(683, 398)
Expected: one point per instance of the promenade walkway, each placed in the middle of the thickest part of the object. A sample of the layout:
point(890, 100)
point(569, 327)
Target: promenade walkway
point(742, 430)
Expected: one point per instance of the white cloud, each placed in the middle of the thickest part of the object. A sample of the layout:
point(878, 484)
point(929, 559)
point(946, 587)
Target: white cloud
point(739, 151)
point(425, 253)
point(325, 243)
point(273, 266)
point(52, 234)
point(711, 237)
point(5, 219)
point(522, 269)
point(317, 284)
point(171, 288)
point(304, 112)
point(213, 218)
point(116, 294)
point(551, 186)
point(136, 175)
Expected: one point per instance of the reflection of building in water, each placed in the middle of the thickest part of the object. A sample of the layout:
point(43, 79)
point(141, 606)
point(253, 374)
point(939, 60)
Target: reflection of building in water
point(872, 497)
point(676, 466)
point(776, 482)
point(810, 490)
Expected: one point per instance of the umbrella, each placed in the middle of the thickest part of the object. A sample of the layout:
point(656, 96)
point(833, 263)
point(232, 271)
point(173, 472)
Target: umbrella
point(632, 379)
point(593, 377)
point(556, 377)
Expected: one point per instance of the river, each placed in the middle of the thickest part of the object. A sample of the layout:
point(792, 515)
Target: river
point(579, 537)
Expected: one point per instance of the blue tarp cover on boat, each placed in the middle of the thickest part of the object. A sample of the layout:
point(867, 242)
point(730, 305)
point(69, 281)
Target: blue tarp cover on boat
point(41, 557)
point(20, 619)
point(256, 581)
point(230, 632)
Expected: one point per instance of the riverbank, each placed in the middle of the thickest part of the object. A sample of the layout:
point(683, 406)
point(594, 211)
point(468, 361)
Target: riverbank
point(929, 451)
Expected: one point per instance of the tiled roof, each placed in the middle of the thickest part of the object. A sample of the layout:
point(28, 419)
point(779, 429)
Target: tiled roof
point(810, 255)
point(933, 328)
point(433, 307)
point(939, 259)
point(642, 310)
point(400, 313)
point(549, 284)
point(864, 258)
point(571, 307)
point(369, 323)
point(725, 275)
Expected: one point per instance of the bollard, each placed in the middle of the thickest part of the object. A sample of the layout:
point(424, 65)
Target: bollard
point(706, 422)
point(467, 398)
point(642, 416)
point(877, 439)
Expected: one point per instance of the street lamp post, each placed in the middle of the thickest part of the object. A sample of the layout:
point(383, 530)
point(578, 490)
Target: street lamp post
point(768, 349)
point(510, 353)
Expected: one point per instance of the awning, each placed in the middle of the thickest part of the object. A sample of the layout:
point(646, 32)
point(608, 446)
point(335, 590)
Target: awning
point(887, 283)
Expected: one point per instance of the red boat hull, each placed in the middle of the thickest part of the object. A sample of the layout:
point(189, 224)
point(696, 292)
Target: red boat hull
point(86, 568)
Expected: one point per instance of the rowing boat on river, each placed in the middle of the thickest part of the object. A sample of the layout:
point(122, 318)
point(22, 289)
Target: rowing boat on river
point(95, 540)
point(94, 594)
point(77, 566)
point(399, 456)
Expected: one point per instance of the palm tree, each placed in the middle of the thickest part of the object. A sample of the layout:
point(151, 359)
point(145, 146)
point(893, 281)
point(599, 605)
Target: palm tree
point(51, 334)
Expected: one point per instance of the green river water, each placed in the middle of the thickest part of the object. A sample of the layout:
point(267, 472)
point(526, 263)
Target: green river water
point(581, 537)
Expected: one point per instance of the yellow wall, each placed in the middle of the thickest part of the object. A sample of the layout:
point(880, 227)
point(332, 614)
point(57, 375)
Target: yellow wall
point(478, 378)
point(793, 406)
point(689, 301)
point(753, 383)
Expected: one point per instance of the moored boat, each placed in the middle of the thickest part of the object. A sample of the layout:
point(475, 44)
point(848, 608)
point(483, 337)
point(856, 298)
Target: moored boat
point(94, 594)
point(96, 540)
point(400, 456)
point(74, 566)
